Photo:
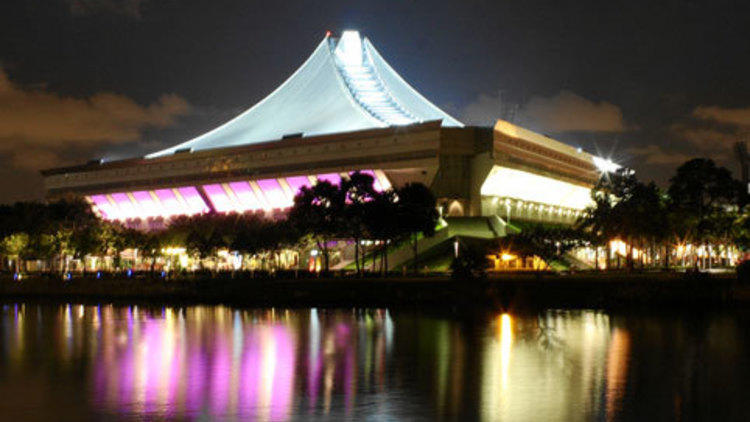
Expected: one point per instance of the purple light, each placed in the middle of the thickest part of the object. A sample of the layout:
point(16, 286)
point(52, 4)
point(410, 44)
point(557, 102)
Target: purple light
point(275, 196)
point(169, 202)
point(296, 183)
point(127, 210)
point(196, 204)
point(149, 208)
point(108, 211)
point(219, 198)
point(239, 196)
point(246, 196)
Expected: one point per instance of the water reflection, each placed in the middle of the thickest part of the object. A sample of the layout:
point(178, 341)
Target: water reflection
point(219, 362)
point(551, 361)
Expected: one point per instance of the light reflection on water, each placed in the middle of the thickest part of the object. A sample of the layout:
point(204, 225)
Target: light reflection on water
point(276, 364)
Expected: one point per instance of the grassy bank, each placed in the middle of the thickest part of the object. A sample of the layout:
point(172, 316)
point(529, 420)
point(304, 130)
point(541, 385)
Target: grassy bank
point(508, 291)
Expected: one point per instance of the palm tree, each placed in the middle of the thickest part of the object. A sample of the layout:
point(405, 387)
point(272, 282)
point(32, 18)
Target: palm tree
point(597, 222)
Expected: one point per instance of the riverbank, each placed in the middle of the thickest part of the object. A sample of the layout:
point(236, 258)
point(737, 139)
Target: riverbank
point(590, 290)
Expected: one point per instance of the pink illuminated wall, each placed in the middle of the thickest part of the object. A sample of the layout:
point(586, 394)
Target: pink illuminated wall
point(193, 199)
point(146, 204)
point(275, 195)
point(219, 198)
point(125, 205)
point(106, 209)
point(246, 196)
point(237, 196)
point(296, 183)
point(169, 202)
point(149, 204)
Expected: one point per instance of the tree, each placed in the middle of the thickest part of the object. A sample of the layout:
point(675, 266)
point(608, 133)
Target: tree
point(642, 216)
point(626, 208)
point(13, 247)
point(251, 236)
point(319, 212)
point(471, 263)
point(150, 244)
point(122, 238)
point(69, 219)
point(205, 235)
point(416, 209)
point(706, 197)
point(359, 191)
point(86, 240)
point(381, 223)
point(550, 243)
point(597, 221)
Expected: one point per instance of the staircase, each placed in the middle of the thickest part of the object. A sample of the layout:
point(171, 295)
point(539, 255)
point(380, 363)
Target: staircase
point(371, 94)
point(401, 254)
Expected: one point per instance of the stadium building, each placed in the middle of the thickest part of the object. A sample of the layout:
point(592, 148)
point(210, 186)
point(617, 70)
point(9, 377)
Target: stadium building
point(346, 109)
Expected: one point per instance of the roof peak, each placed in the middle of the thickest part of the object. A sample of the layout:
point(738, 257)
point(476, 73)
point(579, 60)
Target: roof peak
point(345, 85)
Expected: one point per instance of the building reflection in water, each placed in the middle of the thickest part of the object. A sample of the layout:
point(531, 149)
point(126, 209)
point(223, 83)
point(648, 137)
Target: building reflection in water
point(534, 368)
point(219, 362)
point(230, 362)
point(214, 360)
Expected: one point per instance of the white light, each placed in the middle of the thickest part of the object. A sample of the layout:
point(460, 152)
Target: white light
point(605, 165)
point(349, 49)
point(511, 183)
point(364, 84)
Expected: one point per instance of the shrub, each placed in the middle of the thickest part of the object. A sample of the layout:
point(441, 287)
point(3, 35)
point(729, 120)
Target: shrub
point(470, 264)
point(743, 272)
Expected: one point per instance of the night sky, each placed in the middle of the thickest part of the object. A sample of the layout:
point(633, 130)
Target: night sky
point(650, 83)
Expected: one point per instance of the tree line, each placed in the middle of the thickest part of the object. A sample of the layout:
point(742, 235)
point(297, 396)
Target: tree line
point(355, 210)
point(703, 208)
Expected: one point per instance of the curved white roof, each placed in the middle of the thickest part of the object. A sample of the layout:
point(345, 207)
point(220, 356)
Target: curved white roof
point(345, 85)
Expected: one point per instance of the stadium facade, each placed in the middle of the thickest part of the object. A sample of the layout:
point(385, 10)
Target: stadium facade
point(345, 109)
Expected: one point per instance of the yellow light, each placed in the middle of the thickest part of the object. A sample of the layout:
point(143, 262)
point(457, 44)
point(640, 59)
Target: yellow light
point(173, 251)
point(507, 257)
point(506, 340)
point(621, 248)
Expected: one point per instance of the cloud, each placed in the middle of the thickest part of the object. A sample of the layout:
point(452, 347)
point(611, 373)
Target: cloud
point(131, 8)
point(569, 112)
point(486, 109)
point(564, 112)
point(706, 139)
point(713, 130)
point(36, 126)
point(729, 116)
point(655, 154)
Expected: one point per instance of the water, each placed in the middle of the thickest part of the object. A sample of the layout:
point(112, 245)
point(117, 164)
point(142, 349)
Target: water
point(106, 362)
